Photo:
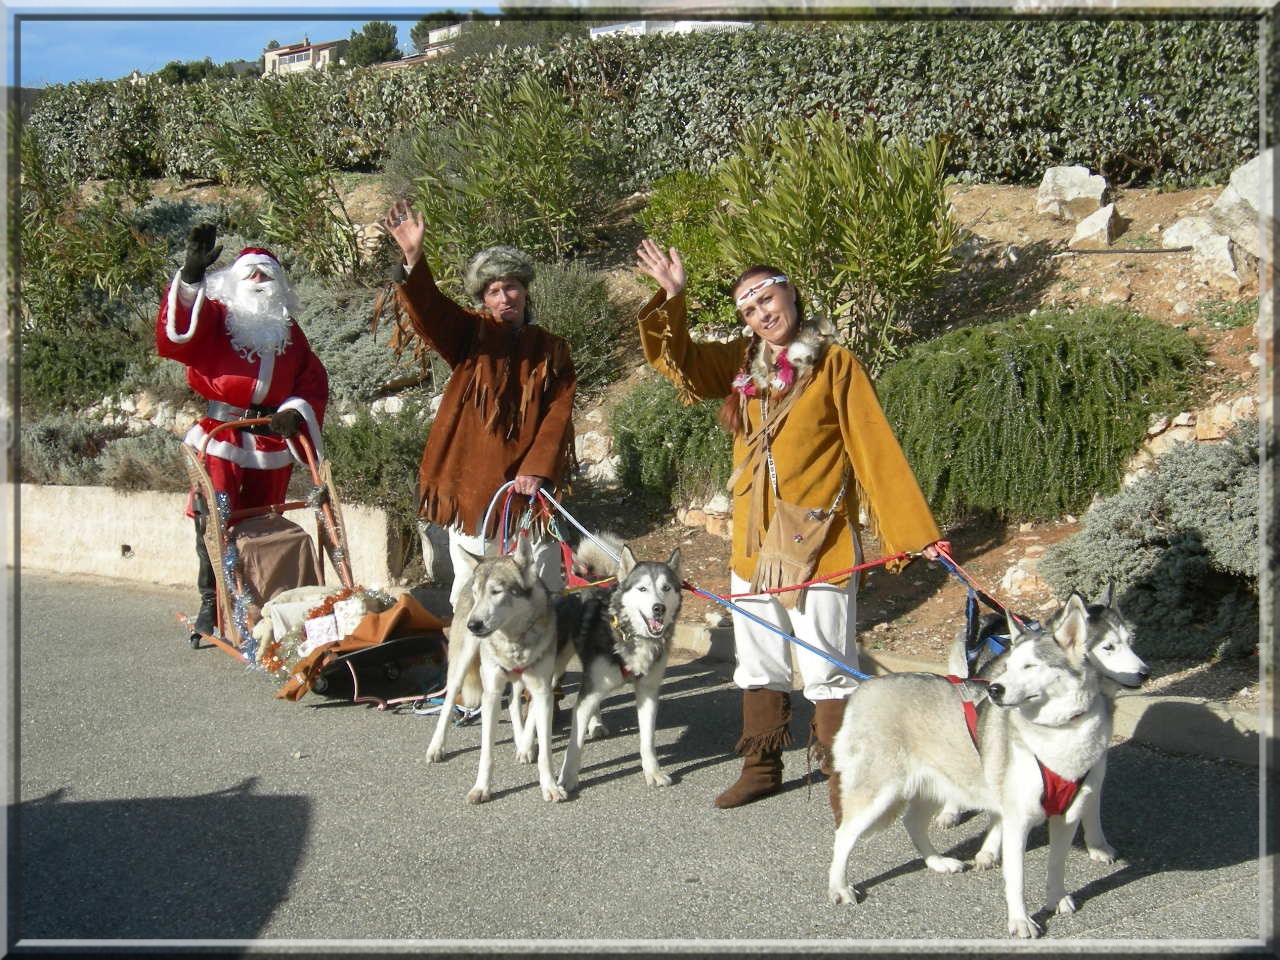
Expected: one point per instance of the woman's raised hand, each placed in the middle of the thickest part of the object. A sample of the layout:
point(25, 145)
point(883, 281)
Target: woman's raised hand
point(407, 229)
point(667, 268)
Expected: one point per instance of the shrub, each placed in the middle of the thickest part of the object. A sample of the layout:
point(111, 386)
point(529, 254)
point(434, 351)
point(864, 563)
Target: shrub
point(679, 214)
point(60, 370)
point(521, 166)
point(145, 461)
point(265, 141)
point(670, 453)
point(1030, 417)
point(63, 449)
point(1181, 545)
point(336, 319)
point(1009, 98)
point(859, 223)
point(570, 300)
point(375, 461)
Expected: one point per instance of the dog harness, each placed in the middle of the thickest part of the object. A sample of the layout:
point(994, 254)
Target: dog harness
point(1056, 792)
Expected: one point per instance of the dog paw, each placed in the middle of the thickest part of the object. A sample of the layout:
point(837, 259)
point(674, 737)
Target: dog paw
point(1066, 905)
point(985, 861)
point(435, 755)
point(947, 819)
point(554, 793)
point(524, 756)
point(596, 730)
point(657, 779)
point(1024, 928)
point(478, 795)
point(944, 864)
point(846, 894)
point(1102, 853)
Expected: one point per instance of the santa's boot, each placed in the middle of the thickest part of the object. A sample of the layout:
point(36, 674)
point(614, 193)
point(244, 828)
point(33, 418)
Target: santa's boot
point(207, 619)
point(827, 715)
point(766, 718)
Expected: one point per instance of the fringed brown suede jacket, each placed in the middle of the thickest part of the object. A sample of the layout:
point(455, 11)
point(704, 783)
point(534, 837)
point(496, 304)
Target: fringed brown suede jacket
point(507, 409)
point(836, 423)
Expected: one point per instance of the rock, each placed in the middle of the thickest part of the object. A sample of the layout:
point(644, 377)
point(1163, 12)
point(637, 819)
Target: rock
point(1096, 231)
point(146, 404)
point(593, 446)
point(386, 405)
point(720, 526)
point(1216, 422)
point(434, 404)
point(718, 505)
point(1185, 419)
point(1021, 578)
point(1070, 193)
point(1118, 291)
point(605, 473)
point(1159, 424)
point(693, 518)
point(1212, 250)
point(1181, 308)
point(1176, 434)
point(1236, 211)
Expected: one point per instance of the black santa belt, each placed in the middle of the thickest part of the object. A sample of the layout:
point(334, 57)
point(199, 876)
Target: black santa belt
point(225, 412)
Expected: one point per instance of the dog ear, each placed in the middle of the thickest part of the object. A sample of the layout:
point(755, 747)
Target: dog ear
point(1016, 630)
point(673, 562)
point(469, 563)
point(627, 563)
point(1108, 598)
point(1072, 630)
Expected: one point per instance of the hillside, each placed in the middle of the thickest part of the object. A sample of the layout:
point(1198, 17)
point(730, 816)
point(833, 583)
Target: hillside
point(1017, 261)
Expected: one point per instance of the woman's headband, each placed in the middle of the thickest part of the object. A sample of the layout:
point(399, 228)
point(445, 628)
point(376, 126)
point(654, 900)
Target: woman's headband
point(759, 285)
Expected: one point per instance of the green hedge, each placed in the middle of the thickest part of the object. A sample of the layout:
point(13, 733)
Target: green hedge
point(1138, 100)
point(1028, 418)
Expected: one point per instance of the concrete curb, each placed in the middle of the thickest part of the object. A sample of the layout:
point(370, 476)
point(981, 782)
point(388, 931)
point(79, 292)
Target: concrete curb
point(1177, 724)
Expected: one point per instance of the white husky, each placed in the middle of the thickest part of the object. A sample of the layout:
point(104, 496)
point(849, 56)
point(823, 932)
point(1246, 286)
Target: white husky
point(505, 627)
point(905, 747)
point(1109, 651)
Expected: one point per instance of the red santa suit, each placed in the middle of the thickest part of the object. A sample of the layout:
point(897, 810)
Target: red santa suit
point(241, 383)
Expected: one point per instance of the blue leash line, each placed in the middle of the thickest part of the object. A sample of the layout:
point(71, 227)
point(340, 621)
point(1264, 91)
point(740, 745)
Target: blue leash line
point(834, 661)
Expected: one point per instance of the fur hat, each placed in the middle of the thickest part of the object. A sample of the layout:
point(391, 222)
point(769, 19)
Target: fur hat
point(493, 263)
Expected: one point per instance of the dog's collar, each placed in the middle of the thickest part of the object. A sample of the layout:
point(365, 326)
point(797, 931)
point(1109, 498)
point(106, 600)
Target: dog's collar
point(617, 626)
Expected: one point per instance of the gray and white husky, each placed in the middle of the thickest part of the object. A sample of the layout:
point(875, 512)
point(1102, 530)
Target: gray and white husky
point(1109, 651)
point(504, 628)
point(621, 635)
point(905, 748)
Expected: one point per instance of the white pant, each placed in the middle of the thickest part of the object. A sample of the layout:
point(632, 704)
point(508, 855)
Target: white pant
point(546, 560)
point(829, 622)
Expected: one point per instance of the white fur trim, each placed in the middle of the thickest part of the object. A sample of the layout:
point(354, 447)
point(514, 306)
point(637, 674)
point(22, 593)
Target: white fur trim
point(245, 453)
point(249, 259)
point(170, 326)
point(266, 367)
point(313, 428)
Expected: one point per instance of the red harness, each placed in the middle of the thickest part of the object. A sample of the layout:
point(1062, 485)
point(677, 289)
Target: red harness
point(1057, 792)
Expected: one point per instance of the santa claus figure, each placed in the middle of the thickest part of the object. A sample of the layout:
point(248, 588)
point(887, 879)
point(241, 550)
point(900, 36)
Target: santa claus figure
point(246, 355)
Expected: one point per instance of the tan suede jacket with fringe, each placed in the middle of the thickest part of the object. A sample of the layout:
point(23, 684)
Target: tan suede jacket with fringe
point(835, 421)
point(507, 409)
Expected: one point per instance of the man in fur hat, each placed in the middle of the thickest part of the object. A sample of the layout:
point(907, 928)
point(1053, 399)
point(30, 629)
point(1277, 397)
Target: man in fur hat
point(506, 413)
point(246, 355)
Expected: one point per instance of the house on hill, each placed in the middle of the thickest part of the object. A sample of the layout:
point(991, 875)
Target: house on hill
point(298, 57)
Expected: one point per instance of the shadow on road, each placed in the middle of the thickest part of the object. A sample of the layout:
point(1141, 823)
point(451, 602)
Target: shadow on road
point(157, 868)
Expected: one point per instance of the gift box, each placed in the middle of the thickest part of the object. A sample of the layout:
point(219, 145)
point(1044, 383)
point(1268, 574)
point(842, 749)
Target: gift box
point(318, 632)
point(351, 611)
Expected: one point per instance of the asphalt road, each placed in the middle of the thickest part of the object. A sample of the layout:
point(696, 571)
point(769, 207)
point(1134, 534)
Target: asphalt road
point(167, 796)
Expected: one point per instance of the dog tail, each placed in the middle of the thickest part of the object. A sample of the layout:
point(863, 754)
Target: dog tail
point(591, 561)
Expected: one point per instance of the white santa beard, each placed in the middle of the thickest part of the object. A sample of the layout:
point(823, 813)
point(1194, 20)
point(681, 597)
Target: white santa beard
point(258, 318)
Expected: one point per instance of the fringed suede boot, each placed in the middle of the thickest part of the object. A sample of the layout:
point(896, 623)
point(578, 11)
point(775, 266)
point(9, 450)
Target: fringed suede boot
point(827, 715)
point(766, 718)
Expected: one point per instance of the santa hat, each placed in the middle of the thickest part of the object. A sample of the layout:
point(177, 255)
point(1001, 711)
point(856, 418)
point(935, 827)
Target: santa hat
point(251, 256)
point(494, 263)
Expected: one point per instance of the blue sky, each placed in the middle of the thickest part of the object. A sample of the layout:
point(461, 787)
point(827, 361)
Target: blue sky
point(108, 42)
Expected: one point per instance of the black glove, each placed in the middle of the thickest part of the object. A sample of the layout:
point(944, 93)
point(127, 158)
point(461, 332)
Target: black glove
point(286, 423)
point(201, 252)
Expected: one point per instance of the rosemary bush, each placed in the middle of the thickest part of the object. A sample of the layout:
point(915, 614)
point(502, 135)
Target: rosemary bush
point(670, 453)
point(571, 301)
point(1181, 545)
point(1030, 417)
